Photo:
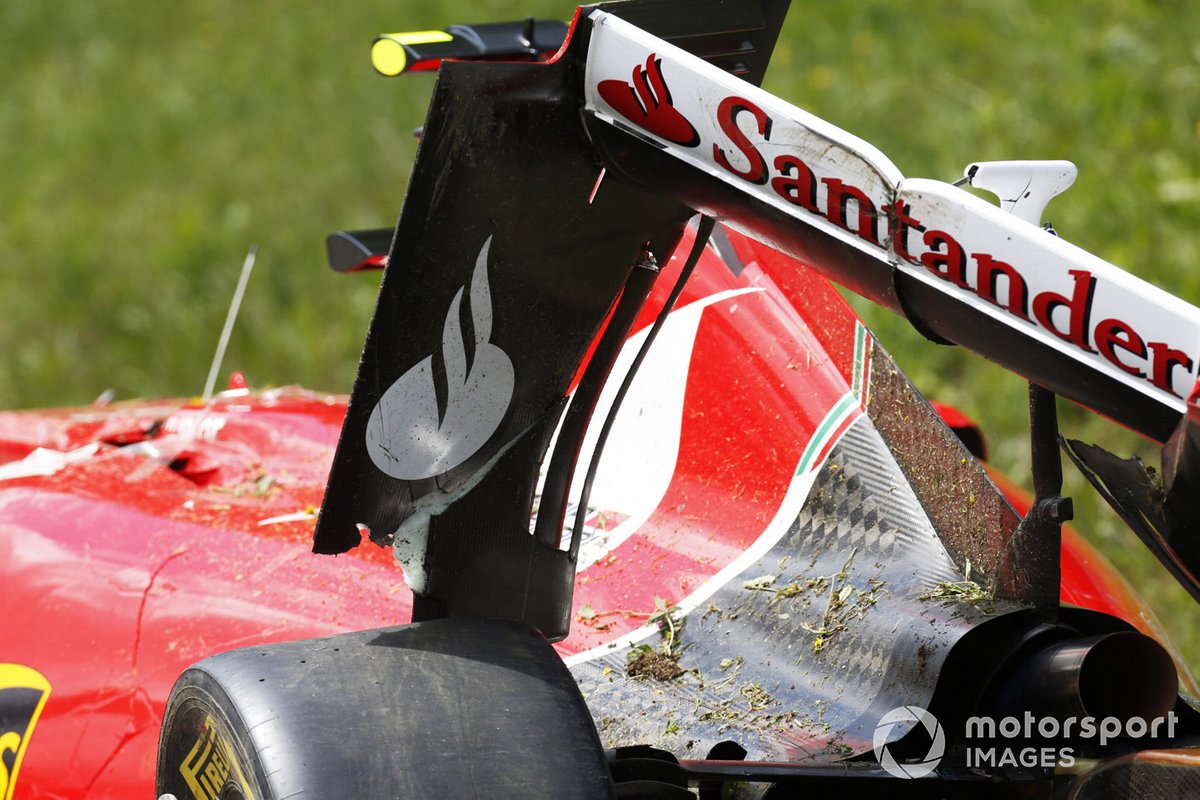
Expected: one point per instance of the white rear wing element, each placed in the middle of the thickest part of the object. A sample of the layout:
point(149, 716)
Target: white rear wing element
point(969, 259)
point(746, 136)
point(1047, 288)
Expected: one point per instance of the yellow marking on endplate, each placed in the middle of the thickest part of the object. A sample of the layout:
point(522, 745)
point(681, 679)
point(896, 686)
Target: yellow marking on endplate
point(388, 55)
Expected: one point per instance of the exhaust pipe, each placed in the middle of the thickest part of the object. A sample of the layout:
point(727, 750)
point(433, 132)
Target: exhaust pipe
point(1122, 675)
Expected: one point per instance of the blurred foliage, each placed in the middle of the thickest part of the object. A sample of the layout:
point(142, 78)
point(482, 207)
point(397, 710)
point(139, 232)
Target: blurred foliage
point(144, 148)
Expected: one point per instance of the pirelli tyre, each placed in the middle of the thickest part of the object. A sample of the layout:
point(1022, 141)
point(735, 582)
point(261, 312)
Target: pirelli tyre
point(441, 709)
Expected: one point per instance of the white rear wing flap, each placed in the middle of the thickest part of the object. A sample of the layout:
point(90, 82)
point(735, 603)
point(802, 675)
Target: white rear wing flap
point(962, 269)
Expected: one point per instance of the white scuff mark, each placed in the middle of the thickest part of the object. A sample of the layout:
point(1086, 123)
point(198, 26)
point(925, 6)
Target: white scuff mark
point(145, 449)
point(408, 546)
point(204, 425)
point(411, 539)
point(44, 461)
point(296, 516)
point(157, 453)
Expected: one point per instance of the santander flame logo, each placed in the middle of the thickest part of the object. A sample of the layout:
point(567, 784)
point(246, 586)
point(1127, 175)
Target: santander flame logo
point(648, 103)
point(408, 437)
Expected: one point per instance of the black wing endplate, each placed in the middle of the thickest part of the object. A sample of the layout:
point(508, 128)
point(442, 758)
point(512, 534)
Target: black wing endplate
point(503, 270)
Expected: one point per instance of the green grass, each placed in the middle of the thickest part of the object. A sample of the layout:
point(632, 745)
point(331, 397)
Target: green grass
point(144, 148)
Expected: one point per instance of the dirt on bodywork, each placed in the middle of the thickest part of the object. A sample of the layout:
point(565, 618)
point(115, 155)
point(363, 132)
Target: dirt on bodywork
point(653, 664)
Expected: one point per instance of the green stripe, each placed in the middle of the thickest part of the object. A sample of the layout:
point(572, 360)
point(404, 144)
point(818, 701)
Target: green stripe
point(860, 357)
point(835, 416)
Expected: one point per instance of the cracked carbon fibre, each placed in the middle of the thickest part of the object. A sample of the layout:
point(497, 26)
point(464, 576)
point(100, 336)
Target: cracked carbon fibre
point(798, 657)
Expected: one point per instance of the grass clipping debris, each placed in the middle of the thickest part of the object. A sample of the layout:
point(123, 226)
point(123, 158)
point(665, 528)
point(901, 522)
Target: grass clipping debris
point(844, 603)
point(662, 663)
point(957, 592)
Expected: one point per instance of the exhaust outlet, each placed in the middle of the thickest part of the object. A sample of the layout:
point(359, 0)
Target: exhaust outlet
point(1123, 675)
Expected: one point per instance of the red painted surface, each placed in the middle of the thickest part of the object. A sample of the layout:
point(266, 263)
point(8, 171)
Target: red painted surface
point(121, 570)
point(164, 546)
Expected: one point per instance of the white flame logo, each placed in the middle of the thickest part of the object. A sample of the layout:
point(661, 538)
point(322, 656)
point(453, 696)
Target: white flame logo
point(406, 436)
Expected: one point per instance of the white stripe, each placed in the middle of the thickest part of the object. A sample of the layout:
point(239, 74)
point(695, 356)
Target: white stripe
point(789, 509)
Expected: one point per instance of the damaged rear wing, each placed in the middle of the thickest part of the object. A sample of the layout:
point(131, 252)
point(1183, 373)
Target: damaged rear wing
point(528, 242)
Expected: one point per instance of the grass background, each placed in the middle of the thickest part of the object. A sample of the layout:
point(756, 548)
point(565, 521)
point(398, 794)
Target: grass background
point(144, 147)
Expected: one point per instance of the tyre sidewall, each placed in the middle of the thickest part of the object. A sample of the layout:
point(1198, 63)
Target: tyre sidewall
point(204, 753)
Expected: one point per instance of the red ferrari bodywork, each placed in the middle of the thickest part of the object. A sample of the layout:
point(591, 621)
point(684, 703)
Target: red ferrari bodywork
point(121, 569)
point(141, 537)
